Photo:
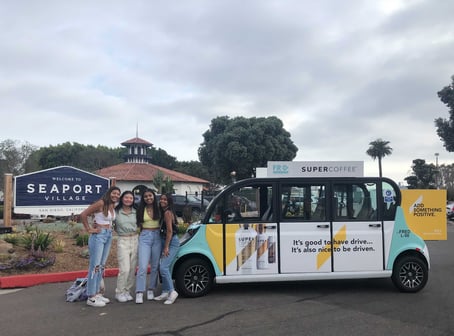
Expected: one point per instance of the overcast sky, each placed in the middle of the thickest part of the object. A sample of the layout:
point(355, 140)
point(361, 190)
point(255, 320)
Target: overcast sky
point(339, 74)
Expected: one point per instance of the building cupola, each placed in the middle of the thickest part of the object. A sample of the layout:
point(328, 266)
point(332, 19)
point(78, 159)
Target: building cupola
point(137, 150)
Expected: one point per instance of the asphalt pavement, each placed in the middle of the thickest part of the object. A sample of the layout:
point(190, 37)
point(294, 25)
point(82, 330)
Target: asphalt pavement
point(348, 307)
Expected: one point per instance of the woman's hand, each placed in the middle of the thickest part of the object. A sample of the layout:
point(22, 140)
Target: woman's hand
point(93, 230)
point(165, 252)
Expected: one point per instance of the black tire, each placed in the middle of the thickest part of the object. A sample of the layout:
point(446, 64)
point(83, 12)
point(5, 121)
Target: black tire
point(410, 274)
point(194, 278)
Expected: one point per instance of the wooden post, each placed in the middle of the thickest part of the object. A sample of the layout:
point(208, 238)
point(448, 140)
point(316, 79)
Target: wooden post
point(113, 181)
point(8, 200)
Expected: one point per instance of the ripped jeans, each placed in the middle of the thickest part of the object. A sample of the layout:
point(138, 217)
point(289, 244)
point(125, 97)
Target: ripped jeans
point(99, 248)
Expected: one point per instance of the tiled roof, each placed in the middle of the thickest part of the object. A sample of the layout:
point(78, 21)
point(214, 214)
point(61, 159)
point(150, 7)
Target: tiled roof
point(144, 172)
point(136, 141)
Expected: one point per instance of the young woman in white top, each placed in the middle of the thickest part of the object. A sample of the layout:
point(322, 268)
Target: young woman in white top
point(99, 242)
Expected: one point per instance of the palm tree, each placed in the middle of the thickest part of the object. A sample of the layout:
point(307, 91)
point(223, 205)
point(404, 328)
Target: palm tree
point(379, 149)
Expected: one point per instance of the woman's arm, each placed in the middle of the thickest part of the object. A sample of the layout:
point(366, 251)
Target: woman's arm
point(95, 207)
point(168, 218)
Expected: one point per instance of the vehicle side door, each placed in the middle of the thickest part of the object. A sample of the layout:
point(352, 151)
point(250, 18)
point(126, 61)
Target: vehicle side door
point(357, 232)
point(305, 229)
point(250, 230)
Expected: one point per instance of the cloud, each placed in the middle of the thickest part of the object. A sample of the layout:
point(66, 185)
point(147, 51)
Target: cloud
point(339, 75)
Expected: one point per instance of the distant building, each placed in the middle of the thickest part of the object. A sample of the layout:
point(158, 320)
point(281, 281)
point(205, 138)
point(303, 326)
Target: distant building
point(137, 171)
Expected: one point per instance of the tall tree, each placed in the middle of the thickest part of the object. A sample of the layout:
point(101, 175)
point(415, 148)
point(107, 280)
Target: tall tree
point(242, 144)
point(423, 175)
point(445, 127)
point(160, 157)
point(193, 168)
point(13, 157)
point(158, 181)
point(446, 179)
point(378, 150)
point(84, 157)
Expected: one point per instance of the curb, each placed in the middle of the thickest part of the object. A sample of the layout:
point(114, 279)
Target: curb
point(29, 280)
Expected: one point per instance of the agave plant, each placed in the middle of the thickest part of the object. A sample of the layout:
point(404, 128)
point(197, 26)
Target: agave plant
point(37, 239)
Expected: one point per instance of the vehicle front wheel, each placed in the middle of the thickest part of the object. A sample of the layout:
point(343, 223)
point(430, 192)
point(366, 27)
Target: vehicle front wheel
point(410, 274)
point(194, 278)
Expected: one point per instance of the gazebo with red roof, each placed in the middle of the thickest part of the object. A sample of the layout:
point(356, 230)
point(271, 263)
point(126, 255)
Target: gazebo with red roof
point(137, 170)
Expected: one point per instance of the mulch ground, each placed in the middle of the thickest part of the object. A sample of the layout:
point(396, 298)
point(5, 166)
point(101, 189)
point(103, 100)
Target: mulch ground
point(70, 256)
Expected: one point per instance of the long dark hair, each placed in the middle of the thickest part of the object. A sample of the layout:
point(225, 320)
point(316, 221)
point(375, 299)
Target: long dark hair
point(107, 201)
point(162, 223)
point(170, 206)
point(141, 208)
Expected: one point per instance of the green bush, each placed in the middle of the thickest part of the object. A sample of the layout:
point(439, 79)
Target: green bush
point(36, 240)
point(12, 238)
point(182, 228)
point(82, 239)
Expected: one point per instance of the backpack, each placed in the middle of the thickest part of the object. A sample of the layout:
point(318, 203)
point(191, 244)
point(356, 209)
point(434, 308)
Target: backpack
point(77, 291)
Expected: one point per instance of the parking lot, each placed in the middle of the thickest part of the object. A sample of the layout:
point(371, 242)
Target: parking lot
point(348, 307)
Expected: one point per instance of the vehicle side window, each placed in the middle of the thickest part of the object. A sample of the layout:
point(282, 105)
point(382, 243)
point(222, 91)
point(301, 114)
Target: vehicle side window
point(357, 201)
point(303, 202)
point(218, 211)
point(245, 204)
point(390, 202)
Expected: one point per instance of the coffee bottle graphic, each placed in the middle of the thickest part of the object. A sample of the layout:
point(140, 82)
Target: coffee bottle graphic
point(246, 254)
point(262, 248)
point(271, 233)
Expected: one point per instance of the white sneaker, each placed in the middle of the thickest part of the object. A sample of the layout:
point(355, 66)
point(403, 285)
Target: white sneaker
point(128, 296)
point(121, 297)
point(172, 297)
point(95, 302)
point(102, 298)
point(163, 296)
point(150, 294)
point(139, 297)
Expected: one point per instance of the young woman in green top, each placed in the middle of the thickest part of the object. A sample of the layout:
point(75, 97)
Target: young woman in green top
point(127, 243)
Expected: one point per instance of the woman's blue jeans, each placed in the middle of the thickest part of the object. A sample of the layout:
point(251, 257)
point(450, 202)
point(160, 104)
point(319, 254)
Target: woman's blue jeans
point(149, 253)
point(99, 248)
point(166, 262)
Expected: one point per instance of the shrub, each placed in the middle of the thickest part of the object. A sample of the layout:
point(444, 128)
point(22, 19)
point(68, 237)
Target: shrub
point(59, 245)
point(82, 239)
point(182, 228)
point(33, 261)
point(36, 259)
point(36, 240)
point(12, 238)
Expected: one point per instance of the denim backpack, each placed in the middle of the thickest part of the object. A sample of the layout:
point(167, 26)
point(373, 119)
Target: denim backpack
point(77, 291)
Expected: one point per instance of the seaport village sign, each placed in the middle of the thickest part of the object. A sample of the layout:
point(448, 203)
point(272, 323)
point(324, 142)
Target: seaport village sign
point(60, 191)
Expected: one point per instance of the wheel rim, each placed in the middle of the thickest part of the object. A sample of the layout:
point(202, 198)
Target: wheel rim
point(196, 279)
point(411, 275)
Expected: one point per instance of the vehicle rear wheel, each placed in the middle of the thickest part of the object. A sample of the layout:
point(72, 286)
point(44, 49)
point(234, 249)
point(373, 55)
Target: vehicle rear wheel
point(410, 274)
point(194, 278)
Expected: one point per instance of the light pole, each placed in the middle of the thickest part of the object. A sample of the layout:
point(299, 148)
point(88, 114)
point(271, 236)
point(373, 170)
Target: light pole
point(436, 172)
